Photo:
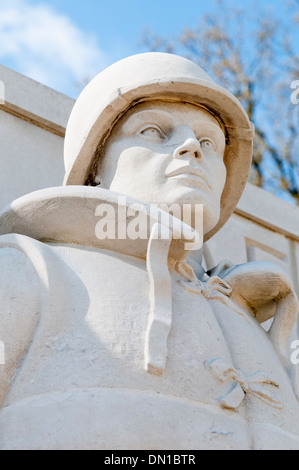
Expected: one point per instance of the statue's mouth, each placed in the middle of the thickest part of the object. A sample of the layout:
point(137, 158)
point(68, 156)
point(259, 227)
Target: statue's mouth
point(189, 172)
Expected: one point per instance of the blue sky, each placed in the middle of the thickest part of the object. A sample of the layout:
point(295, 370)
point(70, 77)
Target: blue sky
point(62, 42)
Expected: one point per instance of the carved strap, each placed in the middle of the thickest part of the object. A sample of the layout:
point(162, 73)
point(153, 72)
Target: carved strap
point(259, 384)
point(160, 317)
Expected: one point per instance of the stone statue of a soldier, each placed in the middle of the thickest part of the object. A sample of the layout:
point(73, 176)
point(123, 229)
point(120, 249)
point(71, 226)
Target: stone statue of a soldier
point(124, 342)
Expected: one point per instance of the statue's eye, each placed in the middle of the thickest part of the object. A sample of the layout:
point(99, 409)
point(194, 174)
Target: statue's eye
point(152, 132)
point(207, 144)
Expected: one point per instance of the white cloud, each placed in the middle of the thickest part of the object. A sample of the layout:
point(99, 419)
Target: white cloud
point(46, 45)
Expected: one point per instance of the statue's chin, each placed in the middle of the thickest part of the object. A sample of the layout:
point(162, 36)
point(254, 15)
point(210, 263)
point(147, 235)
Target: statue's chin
point(181, 202)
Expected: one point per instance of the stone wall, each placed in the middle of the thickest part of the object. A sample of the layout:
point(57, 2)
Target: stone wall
point(33, 119)
point(32, 127)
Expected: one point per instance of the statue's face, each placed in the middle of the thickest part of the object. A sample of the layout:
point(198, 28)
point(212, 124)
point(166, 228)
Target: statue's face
point(163, 152)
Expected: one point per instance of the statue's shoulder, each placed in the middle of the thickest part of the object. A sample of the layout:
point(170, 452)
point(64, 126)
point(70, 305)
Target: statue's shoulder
point(268, 291)
point(18, 273)
point(262, 284)
point(254, 270)
point(254, 279)
point(20, 303)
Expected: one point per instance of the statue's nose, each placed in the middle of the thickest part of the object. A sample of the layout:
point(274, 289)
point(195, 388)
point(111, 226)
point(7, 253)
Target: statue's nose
point(190, 148)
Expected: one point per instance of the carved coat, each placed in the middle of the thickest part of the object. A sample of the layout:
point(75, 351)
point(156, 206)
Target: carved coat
point(116, 344)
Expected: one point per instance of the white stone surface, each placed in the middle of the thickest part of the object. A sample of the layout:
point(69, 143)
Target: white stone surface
point(129, 344)
point(93, 325)
point(30, 158)
point(274, 213)
point(34, 101)
point(32, 126)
